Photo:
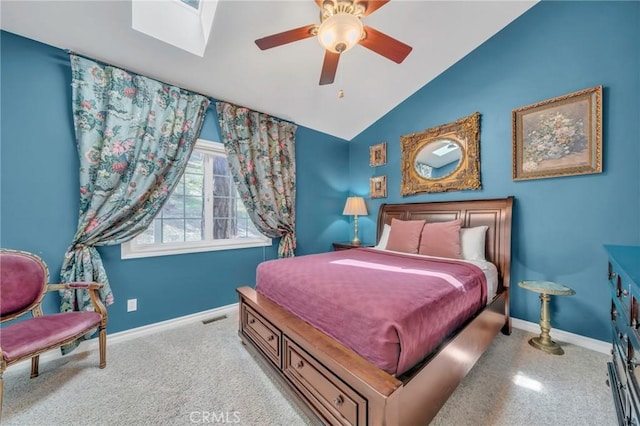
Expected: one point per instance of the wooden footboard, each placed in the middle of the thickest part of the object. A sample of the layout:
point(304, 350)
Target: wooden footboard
point(339, 387)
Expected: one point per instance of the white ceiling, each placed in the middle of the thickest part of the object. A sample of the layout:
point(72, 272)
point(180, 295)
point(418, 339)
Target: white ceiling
point(282, 81)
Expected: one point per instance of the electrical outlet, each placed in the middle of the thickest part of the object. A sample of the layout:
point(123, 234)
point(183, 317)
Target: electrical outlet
point(132, 305)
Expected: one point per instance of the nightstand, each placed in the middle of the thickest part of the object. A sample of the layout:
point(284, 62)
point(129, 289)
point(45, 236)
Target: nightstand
point(348, 245)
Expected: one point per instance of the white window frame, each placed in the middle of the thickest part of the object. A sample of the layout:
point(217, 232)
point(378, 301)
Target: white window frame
point(130, 250)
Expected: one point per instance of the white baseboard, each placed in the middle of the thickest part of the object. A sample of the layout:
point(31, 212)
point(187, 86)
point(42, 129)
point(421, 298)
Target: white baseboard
point(134, 333)
point(565, 336)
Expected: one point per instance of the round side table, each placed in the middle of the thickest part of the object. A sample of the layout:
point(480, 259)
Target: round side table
point(546, 288)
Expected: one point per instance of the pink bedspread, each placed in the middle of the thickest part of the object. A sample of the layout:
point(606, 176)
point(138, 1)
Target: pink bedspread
point(391, 309)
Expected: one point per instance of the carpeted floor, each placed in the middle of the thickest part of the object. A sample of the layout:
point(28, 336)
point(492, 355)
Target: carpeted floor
point(201, 374)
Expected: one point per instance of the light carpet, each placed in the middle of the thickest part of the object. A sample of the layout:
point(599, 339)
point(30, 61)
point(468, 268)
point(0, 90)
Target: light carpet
point(201, 374)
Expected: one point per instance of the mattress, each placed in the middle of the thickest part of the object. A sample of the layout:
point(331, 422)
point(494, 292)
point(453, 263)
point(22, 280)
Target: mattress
point(392, 309)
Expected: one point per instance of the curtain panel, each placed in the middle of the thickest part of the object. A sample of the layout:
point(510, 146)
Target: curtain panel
point(134, 137)
point(261, 154)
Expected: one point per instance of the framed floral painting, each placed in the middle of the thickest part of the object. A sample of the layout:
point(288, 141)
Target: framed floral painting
point(378, 186)
point(378, 154)
point(559, 137)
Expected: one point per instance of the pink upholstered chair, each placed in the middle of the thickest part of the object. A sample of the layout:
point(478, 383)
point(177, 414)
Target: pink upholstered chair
point(23, 284)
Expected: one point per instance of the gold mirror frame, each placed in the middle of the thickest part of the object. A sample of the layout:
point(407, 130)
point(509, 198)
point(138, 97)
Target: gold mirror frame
point(466, 133)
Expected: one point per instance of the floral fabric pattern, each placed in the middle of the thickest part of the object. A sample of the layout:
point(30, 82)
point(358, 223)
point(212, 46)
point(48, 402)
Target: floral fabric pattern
point(261, 154)
point(134, 137)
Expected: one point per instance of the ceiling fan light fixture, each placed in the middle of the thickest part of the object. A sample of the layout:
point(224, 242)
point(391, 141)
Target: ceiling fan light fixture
point(340, 32)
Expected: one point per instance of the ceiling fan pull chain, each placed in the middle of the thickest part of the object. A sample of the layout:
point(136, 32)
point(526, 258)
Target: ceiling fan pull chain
point(340, 91)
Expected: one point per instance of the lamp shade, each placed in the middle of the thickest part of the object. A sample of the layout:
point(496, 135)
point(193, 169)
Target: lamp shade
point(355, 206)
point(340, 32)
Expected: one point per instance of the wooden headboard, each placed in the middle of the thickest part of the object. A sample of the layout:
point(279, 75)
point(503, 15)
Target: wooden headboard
point(494, 213)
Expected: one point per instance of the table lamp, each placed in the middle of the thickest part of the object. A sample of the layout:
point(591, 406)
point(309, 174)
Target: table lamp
point(355, 206)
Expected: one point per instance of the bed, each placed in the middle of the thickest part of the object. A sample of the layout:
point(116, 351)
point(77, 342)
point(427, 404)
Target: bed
point(336, 384)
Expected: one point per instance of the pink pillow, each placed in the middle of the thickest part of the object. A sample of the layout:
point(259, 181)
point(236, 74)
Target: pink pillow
point(405, 235)
point(441, 239)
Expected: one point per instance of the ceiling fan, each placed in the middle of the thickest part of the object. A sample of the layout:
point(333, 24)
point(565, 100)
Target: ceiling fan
point(340, 29)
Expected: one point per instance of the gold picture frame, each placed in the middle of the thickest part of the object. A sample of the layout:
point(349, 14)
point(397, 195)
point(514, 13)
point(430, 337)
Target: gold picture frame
point(378, 154)
point(378, 186)
point(558, 137)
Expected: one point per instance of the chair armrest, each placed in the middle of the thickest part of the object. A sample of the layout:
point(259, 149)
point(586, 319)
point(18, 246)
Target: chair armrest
point(92, 288)
point(75, 286)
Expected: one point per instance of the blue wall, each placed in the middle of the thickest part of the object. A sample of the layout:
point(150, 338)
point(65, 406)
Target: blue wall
point(39, 187)
point(560, 224)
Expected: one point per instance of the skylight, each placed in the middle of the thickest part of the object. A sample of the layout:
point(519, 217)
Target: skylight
point(192, 3)
point(443, 150)
point(185, 24)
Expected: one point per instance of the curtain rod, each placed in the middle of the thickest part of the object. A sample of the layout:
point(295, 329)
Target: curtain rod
point(71, 52)
point(211, 98)
point(259, 112)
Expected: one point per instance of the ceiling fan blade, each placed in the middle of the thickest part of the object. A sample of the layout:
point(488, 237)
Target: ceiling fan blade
point(385, 45)
point(371, 5)
point(285, 37)
point(329, 67)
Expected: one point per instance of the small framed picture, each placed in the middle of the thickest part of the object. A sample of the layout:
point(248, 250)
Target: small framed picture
point(378, 154)
point(559, 137)
point(378, 186)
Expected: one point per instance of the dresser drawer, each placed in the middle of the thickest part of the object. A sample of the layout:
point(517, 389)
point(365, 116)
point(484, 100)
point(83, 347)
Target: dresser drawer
point(617, 392)
point(333, 399)
point(620, 290)
point(263, 333)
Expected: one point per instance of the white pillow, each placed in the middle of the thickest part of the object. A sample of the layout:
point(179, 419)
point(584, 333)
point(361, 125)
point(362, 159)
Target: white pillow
point(472, 242)
point(386, 230)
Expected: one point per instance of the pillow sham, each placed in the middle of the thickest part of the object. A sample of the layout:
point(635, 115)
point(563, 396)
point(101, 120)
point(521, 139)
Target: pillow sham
point(472, 241)
point(384, 238)
point(441, 239)
point(405, 235)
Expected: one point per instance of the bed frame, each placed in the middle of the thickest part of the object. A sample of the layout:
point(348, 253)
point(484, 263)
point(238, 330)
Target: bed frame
point(334, 385)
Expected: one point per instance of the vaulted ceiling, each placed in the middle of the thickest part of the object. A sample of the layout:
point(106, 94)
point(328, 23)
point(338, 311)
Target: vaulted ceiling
point(282, 81)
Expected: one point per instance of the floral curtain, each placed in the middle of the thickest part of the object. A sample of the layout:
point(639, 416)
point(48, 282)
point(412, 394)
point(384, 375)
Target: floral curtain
point(261, 155)
point(134, 137)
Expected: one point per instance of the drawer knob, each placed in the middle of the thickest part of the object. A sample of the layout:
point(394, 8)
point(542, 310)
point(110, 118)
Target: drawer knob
point(338, 401)
point(270, 338)
point(252, 321)
point(299, 364)
point(625, 292)
point(612, 275)
point(634, 362)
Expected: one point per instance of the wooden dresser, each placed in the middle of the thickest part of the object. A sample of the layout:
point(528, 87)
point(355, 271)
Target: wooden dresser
point(624, 369)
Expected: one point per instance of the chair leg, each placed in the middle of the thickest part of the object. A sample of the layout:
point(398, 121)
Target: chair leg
point(102, 338)
point(34, 366)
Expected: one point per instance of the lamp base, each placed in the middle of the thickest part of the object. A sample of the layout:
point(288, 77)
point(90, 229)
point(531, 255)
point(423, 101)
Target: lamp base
point(356, 240)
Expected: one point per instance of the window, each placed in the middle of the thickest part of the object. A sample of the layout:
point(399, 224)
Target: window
point(203, 213)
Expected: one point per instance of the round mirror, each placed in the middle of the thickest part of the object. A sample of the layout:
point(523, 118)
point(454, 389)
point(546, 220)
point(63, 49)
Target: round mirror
point(438, 158)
